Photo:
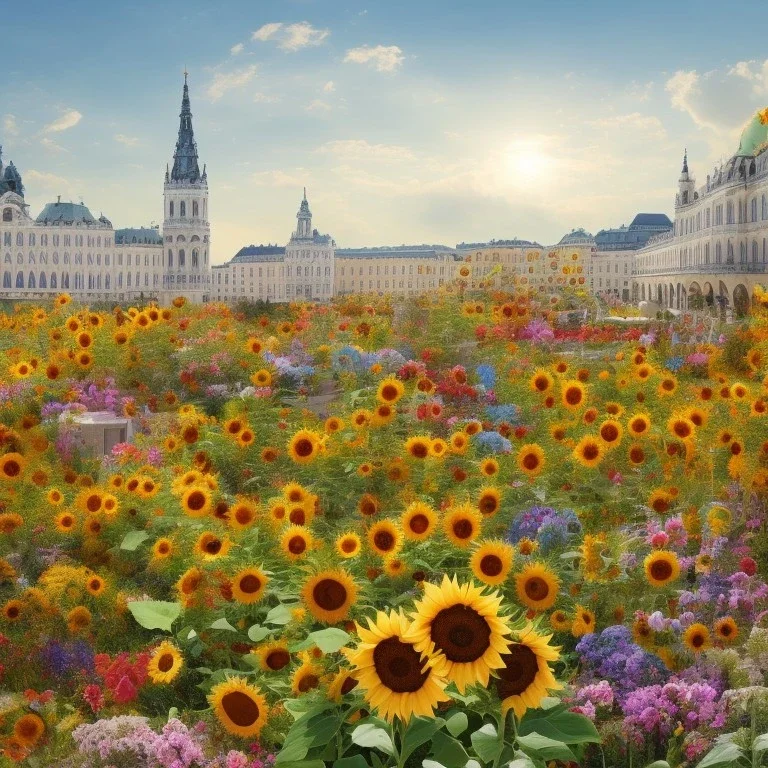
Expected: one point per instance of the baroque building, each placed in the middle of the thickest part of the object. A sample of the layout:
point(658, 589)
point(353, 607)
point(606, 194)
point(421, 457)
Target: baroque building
point(717, 250)
point(66, 248)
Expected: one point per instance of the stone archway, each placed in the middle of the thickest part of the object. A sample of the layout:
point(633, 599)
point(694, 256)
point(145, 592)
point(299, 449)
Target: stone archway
point(740, 300)
point(723, 299)
point(695, 298)
point(709, 294)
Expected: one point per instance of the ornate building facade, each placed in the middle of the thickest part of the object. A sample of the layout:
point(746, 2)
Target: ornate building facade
point(66, 248)
point(717, 250)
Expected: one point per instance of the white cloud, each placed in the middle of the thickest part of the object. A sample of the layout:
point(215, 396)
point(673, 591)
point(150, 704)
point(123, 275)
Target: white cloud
point(280, 179)
point(302, 35)
point(69, 119)
point(359, 148)
point(641, 91)
point(235, 49)
point(265, 98)
point(385, 58)
point(646, 126)
point(266, 32)
point(51, 145)
point(45, 180)
point(128, 141)
point(329, 87)
point(227, 81)
point(318, 105)
point(720, 100)
point(10, 126)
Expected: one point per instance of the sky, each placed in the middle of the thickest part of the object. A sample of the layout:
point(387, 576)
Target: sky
point(408, 121)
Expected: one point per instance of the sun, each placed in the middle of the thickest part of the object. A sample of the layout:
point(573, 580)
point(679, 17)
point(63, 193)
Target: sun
point(526, 163)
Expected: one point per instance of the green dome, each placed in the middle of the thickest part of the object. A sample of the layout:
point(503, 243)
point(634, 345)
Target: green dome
point(754, 137)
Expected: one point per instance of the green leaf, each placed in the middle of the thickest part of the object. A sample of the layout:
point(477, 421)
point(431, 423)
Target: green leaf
point(329, 640)
point(373, 737)
point(223, 624)
point(257, 633)
point(419, 731)
point(486, 742)
point(457, 723)
point(559, 724)
point(280, 614)
point(658, 764)
point(132, 540)
point(304, 764)
point(448, 751)
point(432, 764)
point(155, 614)
point(355, 761)
point(522, 761)
point(760, 744)
point(724, 755)
point(536, 745)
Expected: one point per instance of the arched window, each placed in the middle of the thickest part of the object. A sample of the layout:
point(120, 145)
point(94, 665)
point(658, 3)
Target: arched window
point(42, 282)
point(170, 209)
point(182, 209)
point(107, 282)
point(718, 253)
point(6, 279)
point(182, 256)
point(19, 279)
point(754, 209)
point(7, 214)
point(19, 239)
point(65, 279)
point(195, 256)
point(54, 281)
point(195, 209)
point(754, 251)
point(170, 257)
point(31, 281)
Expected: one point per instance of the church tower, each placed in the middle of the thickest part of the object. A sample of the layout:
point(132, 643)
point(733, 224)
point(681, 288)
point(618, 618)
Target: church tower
point(186, 231)
point(686, 185)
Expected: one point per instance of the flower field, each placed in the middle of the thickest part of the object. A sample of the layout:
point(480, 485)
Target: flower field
point(448, 531)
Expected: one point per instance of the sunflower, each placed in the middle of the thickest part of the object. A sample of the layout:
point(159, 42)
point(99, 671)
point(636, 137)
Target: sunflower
point(384, 538)
point(491, 562)
point(537, 587)
point(438, 448)
point(304, 446)
point(530, 459)
point(489, 467)
point(610, 432)
point(681, 427)
point(368, 505)
point(726, 630)
point(343, 683)
point(162, 549)
point(306, 678)
point(29, 729)
point(249, 585)
point(65, 522)
point(296, 542)
point(541, 381)
point(696, 638)
point(11, 466)
point(78, 619)
point(383, 414)
point(348, 545)
point(559, 621)
point(273, 656)
point(458, 443)
point(242, 514)
point(661, 568)
point(667, 386)
point(589, 451)
point(462, 524)
point(395, 678)
point(239, 707)
point(418, 446)
point(574, 394)
point(165, 663)
point(13, 610)
point(583, 621)
point(418, 522)
point(196, 502)
point(333, 424)
point(390, 390)
point(95, 585)
point(639, 424)
point(636, 454)
point(209, 546)
point(522, 683)
point(329, 595)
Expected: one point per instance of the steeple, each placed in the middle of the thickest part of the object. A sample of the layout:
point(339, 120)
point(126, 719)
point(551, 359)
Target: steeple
point(686, 186)
point(185, 166)
point(304, 227)
point(685, 162)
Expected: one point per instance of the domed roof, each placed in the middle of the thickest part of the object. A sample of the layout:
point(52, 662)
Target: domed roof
point(754, 137)
point(69, 213)
point(578, 237)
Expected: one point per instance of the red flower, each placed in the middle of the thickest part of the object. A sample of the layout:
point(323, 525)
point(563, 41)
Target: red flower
point(748, 566)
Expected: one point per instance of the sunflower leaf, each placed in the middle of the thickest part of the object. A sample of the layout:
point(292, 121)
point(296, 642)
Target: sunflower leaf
point(329, 640)
point(155, 614)
point(536, 745)
point(560, 725)
point(354, 761)
point(132, 539)
point(419, 731)
point(280, 614)
point(457, 723)
point(223, 624)
point(373, 737)
point(448, 751)
point(486, 742)
point(257, 633)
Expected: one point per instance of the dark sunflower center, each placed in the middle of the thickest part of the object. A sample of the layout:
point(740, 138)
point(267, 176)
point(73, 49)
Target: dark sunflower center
point(661, 570)
point(298, 516)
point(419, 523)
point(384, 540)
point(638, 425)
point(491, 565)
point(329, 594)
point(297, 545)
point(519, 671)
point(250, 584)
point(389, 392)
point(573, 396)
point(213, 547)
point(348, 685)
point(590, 452)
point(463, 528)
point(240, 708)
point(308, 682)
point(461, 633)
point(348, 545)
point(609, 433)
point(726, 630)
point(536, 588)
point(530, 461)
point(697, 640)
point(399, 666)
point(165, 662)
point(303, 448)
point(278, 659)
point(419, 450)
point(196, 500)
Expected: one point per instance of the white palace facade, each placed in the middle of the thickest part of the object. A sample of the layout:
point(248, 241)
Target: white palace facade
point(717, 250)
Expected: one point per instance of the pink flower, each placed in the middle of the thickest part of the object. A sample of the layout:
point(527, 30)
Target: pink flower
point(93, 697)
point(659, 540)
point(125, 691)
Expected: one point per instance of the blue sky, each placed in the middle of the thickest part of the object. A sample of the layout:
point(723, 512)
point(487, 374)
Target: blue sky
point(407, 121)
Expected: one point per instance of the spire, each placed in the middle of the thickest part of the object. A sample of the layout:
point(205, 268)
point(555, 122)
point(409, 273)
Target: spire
point(304, 227)
point(185, 167)
point(685, 161)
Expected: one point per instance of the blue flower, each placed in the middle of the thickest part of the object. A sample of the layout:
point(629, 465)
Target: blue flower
point(487, 375)
point(493, 442)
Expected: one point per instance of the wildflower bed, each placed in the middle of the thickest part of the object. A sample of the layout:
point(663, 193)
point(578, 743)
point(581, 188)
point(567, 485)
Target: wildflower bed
point(443, 532)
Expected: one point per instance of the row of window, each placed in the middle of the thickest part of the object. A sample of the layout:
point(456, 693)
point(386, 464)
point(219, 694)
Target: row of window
point(183, 209)
point(44, 282)
point(80, 241)
point(745, 213)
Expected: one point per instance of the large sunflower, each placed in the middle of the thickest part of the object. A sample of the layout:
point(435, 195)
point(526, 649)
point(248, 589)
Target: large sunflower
point(165, 664)
point(418, 521)
point(390, 391)
point(249, 585)
point(462, 524)
point(384, 538)
point(196, 502)
point(273, 656)
point(29, 728)
point(239, 707)
point(696, 638)
point(304, 446)
point(459, 626)
point(661, 568)
point(589, 451)
point(397, 680)
point(329, 595)
point(296, 542)
point(537, 587)
point(574, 394)
point(530, 459)
point(525, 678)
point(492, 561)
